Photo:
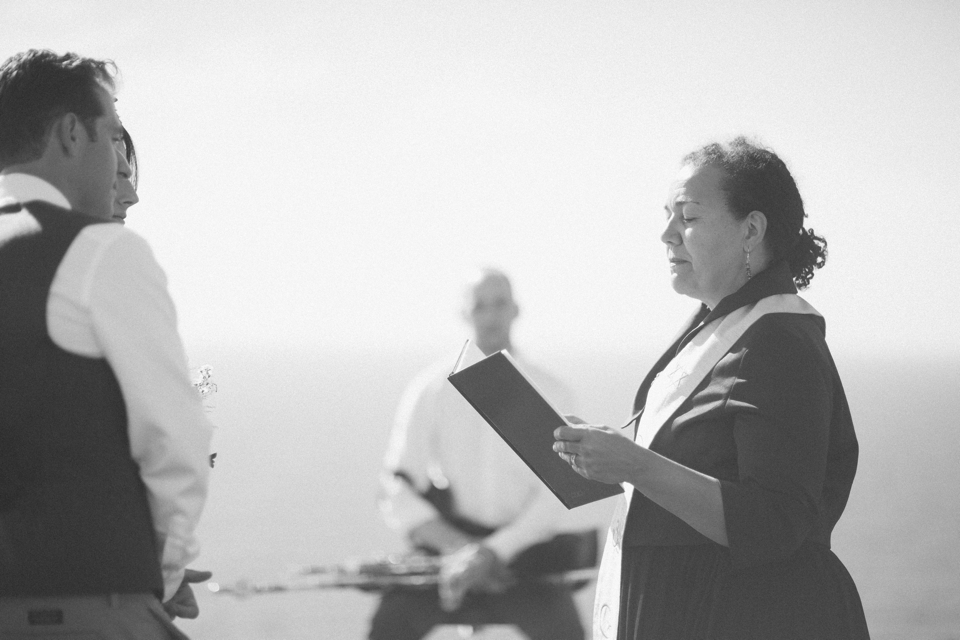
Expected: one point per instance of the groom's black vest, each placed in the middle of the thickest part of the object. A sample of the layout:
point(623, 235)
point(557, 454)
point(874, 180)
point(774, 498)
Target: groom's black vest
point(74, 518)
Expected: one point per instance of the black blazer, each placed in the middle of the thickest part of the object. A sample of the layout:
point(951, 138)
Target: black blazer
point(771, 422)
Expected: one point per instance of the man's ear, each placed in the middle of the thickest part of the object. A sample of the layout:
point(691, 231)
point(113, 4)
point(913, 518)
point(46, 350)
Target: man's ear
point(69, 134)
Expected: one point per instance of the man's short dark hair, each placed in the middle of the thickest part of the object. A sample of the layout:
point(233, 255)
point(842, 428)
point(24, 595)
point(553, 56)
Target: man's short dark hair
point(36, 88)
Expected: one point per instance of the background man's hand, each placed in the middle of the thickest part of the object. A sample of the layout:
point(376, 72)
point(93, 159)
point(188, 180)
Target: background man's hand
point(439, 536)
point(472, 568)
point(183, 604)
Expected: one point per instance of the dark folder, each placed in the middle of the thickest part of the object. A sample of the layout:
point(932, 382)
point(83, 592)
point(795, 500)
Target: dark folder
point(510, 403)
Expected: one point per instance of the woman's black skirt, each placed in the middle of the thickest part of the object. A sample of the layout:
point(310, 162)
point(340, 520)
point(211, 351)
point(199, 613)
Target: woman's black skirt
point(693, 593)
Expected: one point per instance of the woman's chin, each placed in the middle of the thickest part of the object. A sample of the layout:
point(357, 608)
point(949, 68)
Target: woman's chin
point(686, 288)
point(680, 284)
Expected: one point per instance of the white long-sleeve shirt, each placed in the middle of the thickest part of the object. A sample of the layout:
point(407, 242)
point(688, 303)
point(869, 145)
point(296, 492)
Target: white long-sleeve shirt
point(438, 435)
point(109, 300)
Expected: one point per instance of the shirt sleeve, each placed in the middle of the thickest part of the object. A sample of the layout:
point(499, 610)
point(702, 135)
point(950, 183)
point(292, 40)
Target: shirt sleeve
point(537, 522)
point(530, 514)
point(135, 325)
point(782, 404)
point(409, 453)
point(541, 516)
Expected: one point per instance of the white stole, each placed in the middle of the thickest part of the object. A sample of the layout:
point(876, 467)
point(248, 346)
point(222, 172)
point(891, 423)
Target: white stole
point(669, 390)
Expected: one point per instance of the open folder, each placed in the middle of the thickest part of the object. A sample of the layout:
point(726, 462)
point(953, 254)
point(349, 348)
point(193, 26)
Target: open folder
point(511, 403)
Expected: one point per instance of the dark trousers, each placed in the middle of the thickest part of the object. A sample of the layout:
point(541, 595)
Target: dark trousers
point(126, 616)
point(541, 612)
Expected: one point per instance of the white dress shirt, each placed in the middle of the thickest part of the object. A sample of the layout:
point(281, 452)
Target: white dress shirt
point(109, 300)
point(438, 435)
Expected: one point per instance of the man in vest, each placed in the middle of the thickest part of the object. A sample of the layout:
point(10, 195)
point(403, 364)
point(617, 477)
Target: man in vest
point(103, 440)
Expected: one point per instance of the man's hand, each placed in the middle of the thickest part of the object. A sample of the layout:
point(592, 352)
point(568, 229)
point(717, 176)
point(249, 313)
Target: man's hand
point(183, 604)
point(440, 537)
point(472, 568)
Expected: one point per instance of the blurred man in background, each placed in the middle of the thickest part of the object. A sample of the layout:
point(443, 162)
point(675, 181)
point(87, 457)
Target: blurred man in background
point(453, 487)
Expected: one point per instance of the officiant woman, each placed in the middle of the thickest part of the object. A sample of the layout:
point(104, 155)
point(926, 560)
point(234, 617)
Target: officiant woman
point(744, 453)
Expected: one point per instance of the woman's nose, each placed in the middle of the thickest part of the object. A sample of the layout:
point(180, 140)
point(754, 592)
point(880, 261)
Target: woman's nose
point(670, 233)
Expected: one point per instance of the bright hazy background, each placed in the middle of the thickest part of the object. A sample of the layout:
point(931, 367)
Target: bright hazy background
point(327, 173)
point(320, 177)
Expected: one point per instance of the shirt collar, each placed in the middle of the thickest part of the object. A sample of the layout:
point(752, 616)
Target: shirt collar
point(23, 187)
point(773, 280)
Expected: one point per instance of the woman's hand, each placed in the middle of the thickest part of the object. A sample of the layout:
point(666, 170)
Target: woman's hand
point(602, 454)
point(597, 452)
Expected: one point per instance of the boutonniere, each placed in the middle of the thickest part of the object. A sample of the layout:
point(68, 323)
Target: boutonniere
point(206, 387)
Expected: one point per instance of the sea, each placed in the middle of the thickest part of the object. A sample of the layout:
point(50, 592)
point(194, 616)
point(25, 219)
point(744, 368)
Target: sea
point(301, 434)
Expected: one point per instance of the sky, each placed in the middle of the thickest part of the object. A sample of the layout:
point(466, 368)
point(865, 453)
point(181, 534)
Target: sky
point(328, 173)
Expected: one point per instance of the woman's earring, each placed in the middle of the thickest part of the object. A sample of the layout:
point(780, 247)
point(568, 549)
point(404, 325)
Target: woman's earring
point(749, 273)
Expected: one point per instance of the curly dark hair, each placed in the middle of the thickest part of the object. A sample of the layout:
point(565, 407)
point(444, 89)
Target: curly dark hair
point(39, 86)
point(756, 179)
